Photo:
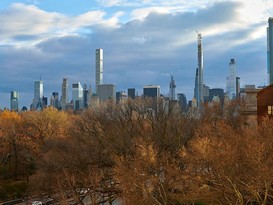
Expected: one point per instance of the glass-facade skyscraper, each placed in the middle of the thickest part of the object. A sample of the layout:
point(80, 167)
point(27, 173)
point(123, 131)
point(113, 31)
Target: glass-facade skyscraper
point(38, 94)
point(14, 97)
point(77, 96)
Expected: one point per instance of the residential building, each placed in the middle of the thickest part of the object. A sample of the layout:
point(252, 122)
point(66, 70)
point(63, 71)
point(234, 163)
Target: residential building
point(99, 67)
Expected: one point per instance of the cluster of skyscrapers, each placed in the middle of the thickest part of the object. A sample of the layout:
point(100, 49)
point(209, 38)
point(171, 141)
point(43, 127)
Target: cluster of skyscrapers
point(84, 97)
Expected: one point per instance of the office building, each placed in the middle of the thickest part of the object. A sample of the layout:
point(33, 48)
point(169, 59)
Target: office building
point(64, 100)
point(107, 92)
point(231, 80)
point(132, 93)
point(54, 100)
point(205, 93)
point(85, 96)
point(152, 91)
point(217, 92)
point(200, 95)
point(77, 96)
point(38, 95)
point(270, 50)
point(182, 100)
point(99, 67)
point(172, 89)
point(238, 89)
point(14, 98)
point(121, 96)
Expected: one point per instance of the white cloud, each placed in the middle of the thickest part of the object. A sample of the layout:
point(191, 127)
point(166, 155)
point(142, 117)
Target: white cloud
point(20, 23)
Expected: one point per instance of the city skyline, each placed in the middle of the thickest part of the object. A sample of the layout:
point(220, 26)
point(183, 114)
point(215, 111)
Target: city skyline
point(143, 43)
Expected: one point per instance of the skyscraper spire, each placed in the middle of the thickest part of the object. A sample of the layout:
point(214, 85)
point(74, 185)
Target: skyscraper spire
point(200, 95)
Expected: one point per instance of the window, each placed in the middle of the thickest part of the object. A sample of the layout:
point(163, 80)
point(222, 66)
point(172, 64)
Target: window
point(270, 110)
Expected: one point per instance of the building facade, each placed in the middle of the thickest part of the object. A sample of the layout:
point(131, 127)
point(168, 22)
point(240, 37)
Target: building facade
point(270, 50)
point(107, 92)
point(265, 102)
point(38, 95)
point(131, 93)
point(54, 100)
point(151, 91)
point(231, 80)
point(99, 67)
point(14, 101)
point(200, 94)
point(64, 100)
point(77, 96)
point(172, 89)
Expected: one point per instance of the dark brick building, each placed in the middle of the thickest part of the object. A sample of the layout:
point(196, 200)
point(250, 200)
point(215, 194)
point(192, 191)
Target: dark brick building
point(265, 102)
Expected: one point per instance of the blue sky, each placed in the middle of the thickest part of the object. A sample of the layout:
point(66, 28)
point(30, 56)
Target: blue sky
point(144, 41)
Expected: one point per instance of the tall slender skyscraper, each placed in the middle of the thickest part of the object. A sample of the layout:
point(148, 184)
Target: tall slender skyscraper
point(196, 84)
point(270, 50)
point(38, 94)
point(200, 95)
point(172, 89)
point(231, 80)
point(64, 100)
point(99, 68)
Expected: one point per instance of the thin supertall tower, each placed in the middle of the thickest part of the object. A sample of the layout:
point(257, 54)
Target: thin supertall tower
point(270, 50)
point(200, 95)
point(99, 68)
point(64, 101)
point(172, 89)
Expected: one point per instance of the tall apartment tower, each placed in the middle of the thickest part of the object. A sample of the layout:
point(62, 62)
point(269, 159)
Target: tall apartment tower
point(99, 68)
point(270, 50)
point(196, 84)
point(231, 80)
point(172, 89)
point(200, 95)
point(14, 97)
